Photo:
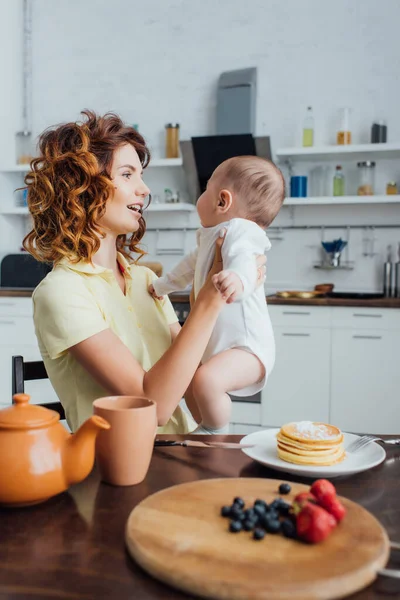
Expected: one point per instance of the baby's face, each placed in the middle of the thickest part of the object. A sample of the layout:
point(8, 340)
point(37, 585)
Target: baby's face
point(208, 202)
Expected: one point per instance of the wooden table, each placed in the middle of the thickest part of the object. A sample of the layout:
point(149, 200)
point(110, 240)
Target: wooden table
point(73, 545)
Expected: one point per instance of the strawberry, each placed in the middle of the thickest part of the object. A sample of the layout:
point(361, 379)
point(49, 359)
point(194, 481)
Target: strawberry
point(335, 508)
point(301, 500)
point(322, 488)
point(314, 523)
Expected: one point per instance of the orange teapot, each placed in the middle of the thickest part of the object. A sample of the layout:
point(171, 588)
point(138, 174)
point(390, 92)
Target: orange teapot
point(38, 457)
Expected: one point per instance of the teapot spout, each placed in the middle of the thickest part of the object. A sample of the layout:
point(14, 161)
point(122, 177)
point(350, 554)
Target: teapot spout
point(79, 451)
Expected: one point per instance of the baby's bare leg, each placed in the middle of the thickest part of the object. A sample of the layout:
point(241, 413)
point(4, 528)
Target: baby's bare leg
point(192, 404)
point(231, 370)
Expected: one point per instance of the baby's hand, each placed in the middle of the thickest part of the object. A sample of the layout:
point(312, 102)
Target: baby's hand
point(152, 292)
point(228, 284)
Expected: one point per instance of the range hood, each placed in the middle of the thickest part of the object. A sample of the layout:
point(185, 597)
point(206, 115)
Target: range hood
point(236, 98)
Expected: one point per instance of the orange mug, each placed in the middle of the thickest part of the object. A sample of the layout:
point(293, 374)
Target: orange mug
point(123, 455)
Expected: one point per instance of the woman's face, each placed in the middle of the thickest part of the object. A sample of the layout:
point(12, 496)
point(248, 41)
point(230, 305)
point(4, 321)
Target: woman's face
point(124, 208)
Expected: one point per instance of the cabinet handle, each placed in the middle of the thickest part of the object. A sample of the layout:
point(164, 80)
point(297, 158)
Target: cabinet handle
point(7, 322)
point(296, 334)
point(293, 312)
point(7, 303)
point(373, 316)
point(367, 337)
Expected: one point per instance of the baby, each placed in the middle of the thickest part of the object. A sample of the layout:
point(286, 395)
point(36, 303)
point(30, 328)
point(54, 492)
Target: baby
point(242, 198)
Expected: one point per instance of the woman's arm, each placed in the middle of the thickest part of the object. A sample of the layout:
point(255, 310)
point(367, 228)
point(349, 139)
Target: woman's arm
point(111, 363)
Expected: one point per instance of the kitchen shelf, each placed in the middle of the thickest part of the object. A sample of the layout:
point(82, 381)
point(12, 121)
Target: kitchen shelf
point(343, 266)
point(161, 207)
point(155, 162)
point(332, 200)
point(352, 151)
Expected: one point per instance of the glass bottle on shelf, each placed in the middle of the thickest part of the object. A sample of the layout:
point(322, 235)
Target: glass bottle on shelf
point(23, 145)
point(172, 141)
point(366, 178)
point(391, 188)
point(343, 137)
point(308, 128)
point(338, 182)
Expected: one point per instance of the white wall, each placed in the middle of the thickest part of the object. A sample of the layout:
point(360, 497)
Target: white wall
point(159, 61)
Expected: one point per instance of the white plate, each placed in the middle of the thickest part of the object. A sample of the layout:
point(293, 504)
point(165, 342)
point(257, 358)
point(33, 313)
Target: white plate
point(265, 452)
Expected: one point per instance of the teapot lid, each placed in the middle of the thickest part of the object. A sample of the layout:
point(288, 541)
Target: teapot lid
point(23, 415)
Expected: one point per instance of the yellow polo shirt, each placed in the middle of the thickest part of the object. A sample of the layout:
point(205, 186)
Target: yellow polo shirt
point(74, 302)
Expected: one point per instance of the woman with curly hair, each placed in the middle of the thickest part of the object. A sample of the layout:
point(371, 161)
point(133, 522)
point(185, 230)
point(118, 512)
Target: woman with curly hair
point(98, 329)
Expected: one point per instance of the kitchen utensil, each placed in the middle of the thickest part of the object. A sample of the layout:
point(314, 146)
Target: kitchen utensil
point(178, 536)
point(396, 290)
point(364, 440)
point(199, 444)
point(264, 452)
point(334, 249)
point(387, 273)
point(38, 457)
point(124, 455)
point(300, 294)
point(325, 288)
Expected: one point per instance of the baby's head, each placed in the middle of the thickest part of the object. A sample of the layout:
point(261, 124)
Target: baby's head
point(248, 187)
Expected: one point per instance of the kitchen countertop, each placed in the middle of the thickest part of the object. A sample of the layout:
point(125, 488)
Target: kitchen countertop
point(72, 546)
point(324, 301)
point(16, 292)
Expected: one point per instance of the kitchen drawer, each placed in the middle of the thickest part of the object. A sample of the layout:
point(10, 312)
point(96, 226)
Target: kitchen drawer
point(366, 318)
point(300, 316)
point(17, 331)
point(16, 307)
point(246, 412)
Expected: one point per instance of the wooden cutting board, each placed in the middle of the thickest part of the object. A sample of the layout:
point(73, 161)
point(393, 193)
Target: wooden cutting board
point(178, 536)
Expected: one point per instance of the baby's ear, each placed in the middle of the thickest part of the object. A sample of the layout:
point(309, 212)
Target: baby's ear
point(224, 200)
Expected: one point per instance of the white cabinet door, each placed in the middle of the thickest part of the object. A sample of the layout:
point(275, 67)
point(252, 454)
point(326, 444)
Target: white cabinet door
point(17, 337)
point(365, 380)
point(298, 388)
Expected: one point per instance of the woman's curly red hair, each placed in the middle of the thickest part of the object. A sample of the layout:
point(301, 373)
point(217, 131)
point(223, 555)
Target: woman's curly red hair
point(69, 185)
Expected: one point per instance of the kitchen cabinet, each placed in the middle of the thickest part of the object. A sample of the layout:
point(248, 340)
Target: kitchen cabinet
point(298, 388)
point(17, 336)
point(365, 376)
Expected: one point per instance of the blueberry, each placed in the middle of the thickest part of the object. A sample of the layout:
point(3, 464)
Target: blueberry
point(259, 510)
point(258, 534)
point(273, 515)
point(277, 503)
point(288, 528)
point(235, 526)
point(236, 513)
point(261, 503)
point(226, 511)
point(272, 525)
point(284, 488)
point(284, 509)
point(239, 502)
point(249, 513)
point(248, 525)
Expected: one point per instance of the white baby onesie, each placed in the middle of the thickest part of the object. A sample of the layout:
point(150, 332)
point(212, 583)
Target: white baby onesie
point(245, 323)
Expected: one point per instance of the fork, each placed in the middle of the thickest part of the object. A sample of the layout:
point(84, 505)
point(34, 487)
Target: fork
point(364, 440)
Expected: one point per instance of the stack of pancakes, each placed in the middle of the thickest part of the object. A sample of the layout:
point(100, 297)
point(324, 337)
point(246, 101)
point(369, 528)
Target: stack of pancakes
point(310, 443)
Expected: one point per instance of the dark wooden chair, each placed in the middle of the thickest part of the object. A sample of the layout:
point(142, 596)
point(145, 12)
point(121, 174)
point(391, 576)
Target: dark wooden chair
point(30, 371)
